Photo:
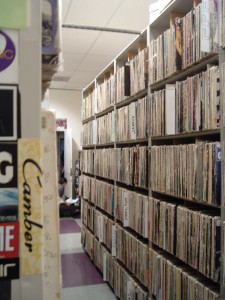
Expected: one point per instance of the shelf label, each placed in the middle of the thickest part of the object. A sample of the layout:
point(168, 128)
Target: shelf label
point(104, 267)
point(130, 290)
point(205, 26)
point(146, 211)
point(100, 228)
point(113, 126)
point(94, 132)
point(126, 209)
point(133, 121)
point(114, 240)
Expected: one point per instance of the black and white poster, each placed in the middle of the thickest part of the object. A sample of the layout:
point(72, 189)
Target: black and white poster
point(8, 113)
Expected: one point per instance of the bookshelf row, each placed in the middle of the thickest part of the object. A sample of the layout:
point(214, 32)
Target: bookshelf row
point(166, 278)
point(152, 157)
point(191, 105)
point(180, 46)
point(190, 233)
point(113, 88)
point(190, 171)
point(174, 50)
point(127, 165)
point(124, 285)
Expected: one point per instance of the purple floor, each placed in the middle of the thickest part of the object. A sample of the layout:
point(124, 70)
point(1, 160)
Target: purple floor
point(78, 270)
point(69, 226)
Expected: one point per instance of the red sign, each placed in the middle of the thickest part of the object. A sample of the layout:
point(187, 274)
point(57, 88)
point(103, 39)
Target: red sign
point(9, 240)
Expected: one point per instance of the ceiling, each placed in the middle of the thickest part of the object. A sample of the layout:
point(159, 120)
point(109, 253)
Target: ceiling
point(86, 52)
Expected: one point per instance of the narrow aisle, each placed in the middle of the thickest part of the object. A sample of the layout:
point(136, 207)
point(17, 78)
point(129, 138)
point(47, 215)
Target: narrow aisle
point(80, 278)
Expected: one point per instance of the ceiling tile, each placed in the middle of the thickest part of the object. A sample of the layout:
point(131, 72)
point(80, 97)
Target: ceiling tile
point(78, 40)
point(136, 15)
point(82, 76)
point(71, 61)
point(95, 63)
point(74, 86)
point(87, 52)
point(92, 13)
point(111, 43)
point(65, 73)
point(57, 85)
point(80, 79)
point(65, 7)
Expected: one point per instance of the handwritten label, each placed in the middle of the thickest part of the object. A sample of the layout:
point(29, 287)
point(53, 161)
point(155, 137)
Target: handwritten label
point(51, 281)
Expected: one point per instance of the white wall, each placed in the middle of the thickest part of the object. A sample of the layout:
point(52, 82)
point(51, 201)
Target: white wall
point(67, 104)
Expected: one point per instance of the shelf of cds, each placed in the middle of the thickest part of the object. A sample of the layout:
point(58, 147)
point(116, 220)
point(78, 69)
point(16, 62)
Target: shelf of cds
point(153, 160)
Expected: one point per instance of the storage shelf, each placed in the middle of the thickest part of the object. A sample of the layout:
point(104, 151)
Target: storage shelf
point(188, 200)
point(88, 147)
point(130, 99)
point(111, 144)
point(88, 120)
point(132, 187)
point(105, 111)
point(163, 20)
point(156, 28)
point(187, 135)
point(180, 75)
point(131, 142)
point(184, 264)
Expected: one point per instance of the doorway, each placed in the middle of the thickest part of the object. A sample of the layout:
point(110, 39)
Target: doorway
point(64, 158)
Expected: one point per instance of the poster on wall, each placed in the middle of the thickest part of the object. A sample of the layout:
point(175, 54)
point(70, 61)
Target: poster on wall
point(8, 165)
point(61, 124)
point(9, 250)
point(9, 56)
point(14, 14)
point(51, 27)
point(9, 225)
point(30, 206)
point(9, 268)
point(9, 112)
point(8, 204)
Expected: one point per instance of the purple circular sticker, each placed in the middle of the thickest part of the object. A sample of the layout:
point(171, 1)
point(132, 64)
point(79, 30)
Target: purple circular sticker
point(8, 54)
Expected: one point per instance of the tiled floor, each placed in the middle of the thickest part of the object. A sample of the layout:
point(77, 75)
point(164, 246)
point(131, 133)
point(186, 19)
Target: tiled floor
point(81, 280)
